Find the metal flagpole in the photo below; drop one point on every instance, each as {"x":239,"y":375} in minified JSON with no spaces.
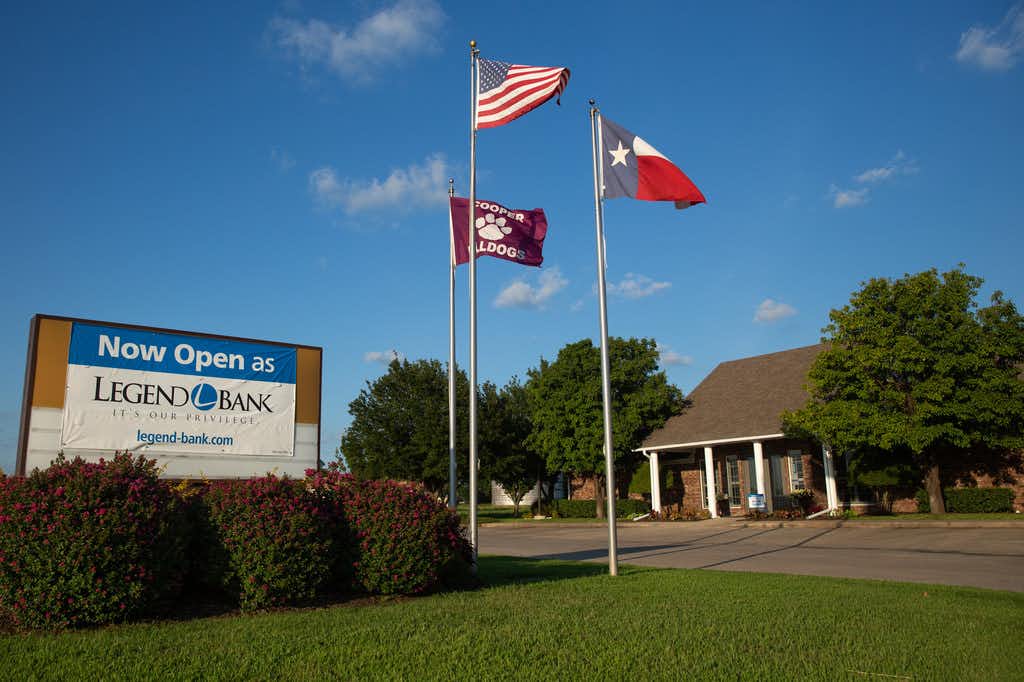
{"x":453,"y":496}
{"x":606,"y":390}
{"x":474,"y":79}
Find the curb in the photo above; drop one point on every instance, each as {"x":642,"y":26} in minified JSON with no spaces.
{"x":829,"y":523}
{"x":883,"y":524}
{"x":550,"y":524}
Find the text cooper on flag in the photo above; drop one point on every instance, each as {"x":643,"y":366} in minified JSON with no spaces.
{"x":507,"y":91}
{"x":513,"y":234}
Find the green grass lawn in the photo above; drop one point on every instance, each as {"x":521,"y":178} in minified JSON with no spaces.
{"x":549,"y":620}
{"x":492,"y":513}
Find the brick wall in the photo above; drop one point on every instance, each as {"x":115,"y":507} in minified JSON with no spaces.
{"x":582,"y":488}
{"x":691,"y":498}
{"x":1013,"y":478}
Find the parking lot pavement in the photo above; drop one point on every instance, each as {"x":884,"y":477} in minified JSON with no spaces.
{"x":978,"y":557}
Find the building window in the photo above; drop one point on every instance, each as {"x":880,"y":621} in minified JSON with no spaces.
{"x":733,"y":474}
{"x":796,"y":469}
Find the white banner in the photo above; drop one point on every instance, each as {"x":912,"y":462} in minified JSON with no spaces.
{"x":135,"y":390}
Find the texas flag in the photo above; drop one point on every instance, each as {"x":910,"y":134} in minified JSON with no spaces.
{"x":633,"y":168}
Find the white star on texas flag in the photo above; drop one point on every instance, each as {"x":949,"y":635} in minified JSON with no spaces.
{"x":619,"y":154}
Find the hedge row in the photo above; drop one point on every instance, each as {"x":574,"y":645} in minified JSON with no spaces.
{"x":87,"y":544}
{"x":970,"y":500}
{"x":587,"y":509}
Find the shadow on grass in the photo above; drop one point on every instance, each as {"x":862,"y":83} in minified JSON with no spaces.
{"x":495,"y":571}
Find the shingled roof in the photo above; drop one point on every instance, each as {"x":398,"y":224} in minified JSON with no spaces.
{"x":741,"y":399}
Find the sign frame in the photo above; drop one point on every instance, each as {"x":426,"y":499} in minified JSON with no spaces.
{"x":33,"y":371}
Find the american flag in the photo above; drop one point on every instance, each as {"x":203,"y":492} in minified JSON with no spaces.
{"x":507,"y":91}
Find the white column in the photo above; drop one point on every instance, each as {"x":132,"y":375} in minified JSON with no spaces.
{"x":759,"y":465}
{"x":709,"y":474}
{"x":831,"y":494}
{"x":655,"y":483}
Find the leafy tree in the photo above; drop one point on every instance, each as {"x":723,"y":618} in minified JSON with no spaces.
{"x":503,"y":428}
{"x":399,"y":425}
{"x":917,"y":370}
{"x":641,"y":481}
{"x":566,"y":406}
{"x":338,"y":463}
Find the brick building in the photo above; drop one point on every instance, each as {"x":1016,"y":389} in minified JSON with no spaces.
{"x":729,"y":443}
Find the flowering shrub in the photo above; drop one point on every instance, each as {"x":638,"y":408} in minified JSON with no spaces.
{"x":404,"y":541}
{"x":269,"y":542}
{"x":88,"y":543}
{"x":676,"y":512}
{"x":778,"y":515}
{"x":85,"y":543}
{"x":802,"y":498}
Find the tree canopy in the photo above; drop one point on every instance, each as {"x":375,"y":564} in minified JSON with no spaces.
{"x":566,"y":404}
{"x":504,"y":426}
{"x":916,"y":369}
{"x":399,"y":425}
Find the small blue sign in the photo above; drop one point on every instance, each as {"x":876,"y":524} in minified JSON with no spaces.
{"x":755,"y":501}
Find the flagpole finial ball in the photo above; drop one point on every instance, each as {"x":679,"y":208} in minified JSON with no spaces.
{"x":591,"y":102}
{"x":472,"y":44}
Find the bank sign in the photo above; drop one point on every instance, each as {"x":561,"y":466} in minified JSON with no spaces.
{"x":137,"y":390}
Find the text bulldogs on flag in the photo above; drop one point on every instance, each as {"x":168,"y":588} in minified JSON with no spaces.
{"x":635,"y":169}
{"x":507,"y":91}
{"x":510,"y":234}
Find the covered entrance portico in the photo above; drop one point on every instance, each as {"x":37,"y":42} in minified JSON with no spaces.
{"x":718,"y":475}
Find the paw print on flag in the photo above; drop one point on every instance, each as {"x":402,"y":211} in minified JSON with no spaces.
{"x":490,"y":228}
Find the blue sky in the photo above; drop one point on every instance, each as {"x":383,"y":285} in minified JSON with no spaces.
{"x":278,"y":171}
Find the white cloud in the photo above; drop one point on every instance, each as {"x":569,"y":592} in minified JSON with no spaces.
{"x":389,"y":36}
{"x":383,"y":357}
{"x":404,"y":189}
{"x":636,"y":286}
{"x":771,"y":310}
{"x":994,"y":49}
{"x":897,"y":165}
{"x":874,"y":174}
{"x":845,"y":198}
{"x":667,"y":356}
{"x":577,"y":306}
{"x":521,"y":294}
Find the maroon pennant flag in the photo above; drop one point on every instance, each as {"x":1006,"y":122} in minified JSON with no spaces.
{"x":508,"y":233}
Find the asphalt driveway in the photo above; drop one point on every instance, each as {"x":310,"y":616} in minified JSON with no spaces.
{"x":979,"y":557}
